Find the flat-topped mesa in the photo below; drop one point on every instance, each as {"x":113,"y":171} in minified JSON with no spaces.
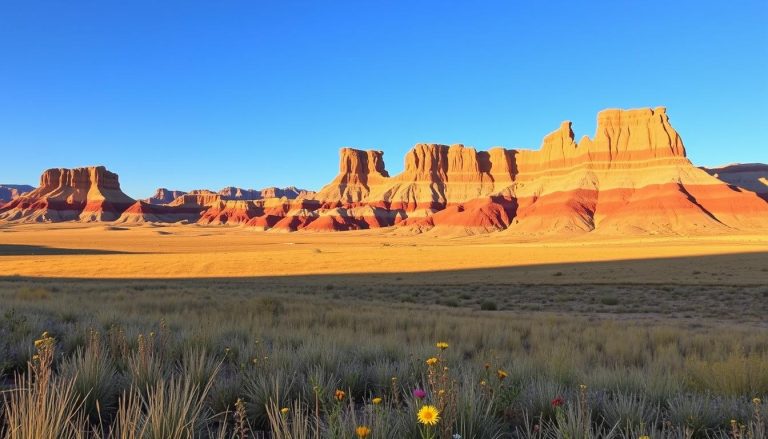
{"x":85,"y":194}
{"x":359,"y":172}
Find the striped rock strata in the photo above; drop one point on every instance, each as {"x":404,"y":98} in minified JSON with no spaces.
{"x":82,"y":194}
{"x":633,"y":177}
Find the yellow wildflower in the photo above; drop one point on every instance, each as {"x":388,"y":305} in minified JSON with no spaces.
{"x":442,"y":345}
{"x":340,"y":395}
{"x":756,"y":401}
{"x":501,"y":374}
{"x":285,"y":410}
{"x":376,"y":401}
{"x":432,"y":361}
{"x":362,"y":431}
{"x":428,"y":415}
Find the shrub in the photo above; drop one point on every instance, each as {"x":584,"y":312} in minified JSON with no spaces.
{"x":488,"y":305}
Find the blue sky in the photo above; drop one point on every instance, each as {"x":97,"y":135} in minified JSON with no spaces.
{"x":214,"y":93}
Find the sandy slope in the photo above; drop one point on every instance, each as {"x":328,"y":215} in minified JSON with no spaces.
{"x":80,"y":250}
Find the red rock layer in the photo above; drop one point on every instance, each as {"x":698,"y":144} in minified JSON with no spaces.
{"x":632,"y":177}
{"x":84,"y":194}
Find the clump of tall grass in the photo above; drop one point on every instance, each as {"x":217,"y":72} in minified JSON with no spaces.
{"x":95,"y":378}
{"x":629,"y":411}
{"x":40,"y":405}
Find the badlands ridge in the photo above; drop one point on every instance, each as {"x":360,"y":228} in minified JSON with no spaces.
{"x":632,"y":177}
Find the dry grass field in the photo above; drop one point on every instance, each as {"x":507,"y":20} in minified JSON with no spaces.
{"x":188,"y":331}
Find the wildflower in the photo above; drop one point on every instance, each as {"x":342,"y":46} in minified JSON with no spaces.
{"x":557,"y":402}
{"x":483,"y":383}
{"x":501,"y":374}
{"x":756,"y":401}
{"x":285,"y":410}
{"x":441,"y":392}
{"x":583,"y":387}
{"x":376,"y":401}
{"x":432,"y":361}
{"x":442,"y":345}
{"x":340,"y":395}
{"x":428,"y":415}
{"x":362,"y":431}
{"x":419,"y":393}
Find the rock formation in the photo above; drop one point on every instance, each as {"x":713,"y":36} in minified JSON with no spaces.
{"x":632,"y":177}
{"x":163,"y":196}
{"x":9,"y":192}
{"x":750,"y":176}
{"x":82,"y":194}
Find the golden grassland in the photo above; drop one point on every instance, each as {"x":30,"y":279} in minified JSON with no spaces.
{"x":225,"y":332}
{"x":98,"y":251}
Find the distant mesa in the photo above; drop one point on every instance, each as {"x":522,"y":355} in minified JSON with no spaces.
{"x":632,"y":177}
{"x":750,"y":176}
{"x":9,"y":192}
{"x":163,"y":196}
{"x":166,"y":196}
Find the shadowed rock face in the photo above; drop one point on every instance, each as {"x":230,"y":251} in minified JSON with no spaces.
{"x":633,"y":176}
{"x":9,"y":192}
{"x":750,"y":176}
{"x":83,"y":194}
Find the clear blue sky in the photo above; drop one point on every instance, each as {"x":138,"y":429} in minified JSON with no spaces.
{"x":207,"y":94}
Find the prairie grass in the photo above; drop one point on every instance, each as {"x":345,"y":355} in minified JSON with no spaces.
{"x":173,"y":359}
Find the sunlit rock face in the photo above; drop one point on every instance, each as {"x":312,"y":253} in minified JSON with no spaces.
{"x":632,"y":177}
